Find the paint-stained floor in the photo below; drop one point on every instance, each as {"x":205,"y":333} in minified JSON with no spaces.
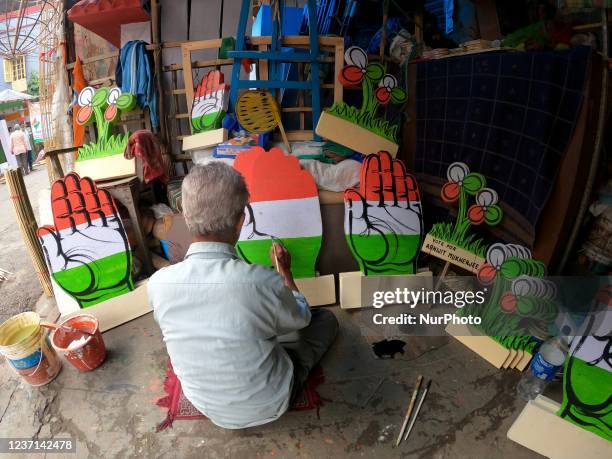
{"x":111,"y":411}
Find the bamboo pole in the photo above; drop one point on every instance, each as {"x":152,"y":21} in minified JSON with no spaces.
{"x":27,"y":223}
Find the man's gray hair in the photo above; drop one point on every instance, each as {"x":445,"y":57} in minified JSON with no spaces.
{"x":214,"y":197}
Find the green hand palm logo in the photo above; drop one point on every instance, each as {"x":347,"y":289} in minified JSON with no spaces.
{"x":87,"y":250}
{"x":383,"y":219}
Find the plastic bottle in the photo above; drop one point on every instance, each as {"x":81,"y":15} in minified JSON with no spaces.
{"x":544,"y":366}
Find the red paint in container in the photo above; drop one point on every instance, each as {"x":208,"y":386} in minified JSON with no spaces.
{"x":84,"y":351}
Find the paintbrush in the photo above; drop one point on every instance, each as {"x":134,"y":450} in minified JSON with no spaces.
{"x":410,"y":408}
{"x":276,"y":241}
{"x":418,"y":408}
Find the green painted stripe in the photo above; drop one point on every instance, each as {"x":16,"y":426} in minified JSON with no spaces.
{"x":304,"y":252}
{"x":112,"y":276}
{"x":402,"y":250}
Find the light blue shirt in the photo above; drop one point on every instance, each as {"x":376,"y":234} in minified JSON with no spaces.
{"x":221,"y":318}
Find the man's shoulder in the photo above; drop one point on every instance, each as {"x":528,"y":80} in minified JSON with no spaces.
{"x":235,"y":271}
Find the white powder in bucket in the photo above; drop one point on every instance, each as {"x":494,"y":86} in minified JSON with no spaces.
{"x":77,"y":343}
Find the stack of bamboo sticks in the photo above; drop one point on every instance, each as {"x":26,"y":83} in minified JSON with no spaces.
{"x":28,"y":225}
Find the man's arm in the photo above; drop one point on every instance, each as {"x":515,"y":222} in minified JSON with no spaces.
{"x":295,"y":311}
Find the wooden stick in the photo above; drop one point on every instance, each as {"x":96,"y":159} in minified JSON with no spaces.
{"x":27,"y":223}
{"x":410,"y":408}
{"x":416,"y":413}
{"x":284,"y":135}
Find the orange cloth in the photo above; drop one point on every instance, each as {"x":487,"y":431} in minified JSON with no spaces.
{"x":79,"y":84}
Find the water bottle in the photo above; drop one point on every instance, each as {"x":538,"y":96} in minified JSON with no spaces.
{"x":544,"y":366}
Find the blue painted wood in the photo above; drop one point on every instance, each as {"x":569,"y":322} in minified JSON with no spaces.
{"x":272,"y":56}
{"x":314,"y":65}
{"x":240,"y":36}
{"x":275,"y":57}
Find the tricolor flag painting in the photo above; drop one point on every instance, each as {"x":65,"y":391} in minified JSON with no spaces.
{"x":87,"y":250}
{"x":382,"y":218}
{"x":283,"y":205}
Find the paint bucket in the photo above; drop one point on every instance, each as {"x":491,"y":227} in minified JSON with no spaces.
{"x":23,"y":343}
{"x":85,"y":352}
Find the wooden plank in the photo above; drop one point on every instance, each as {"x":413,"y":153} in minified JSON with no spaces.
{"x":118,"y":310}
{"x":106,"y":168}
{"x":92,"y":59}
{"x":296,"y":109}
{"x":485,"y":346}
{"x":204,"y":139}
{"x":353,"y":283}
{"x":540,"y":429}
{"x":187,"y":76}
{"x":319,"y":291}
{"x":199,"y":64}
{"x":353,"y":136}
{"x":339,"y":64}
{"x":449,"y":252}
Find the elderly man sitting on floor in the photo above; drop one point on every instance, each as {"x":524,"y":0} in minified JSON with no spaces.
{"x":241,"y":337}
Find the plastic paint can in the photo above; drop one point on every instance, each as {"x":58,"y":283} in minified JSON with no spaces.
{"x":85,"y":352}
{"x":24,"y":344}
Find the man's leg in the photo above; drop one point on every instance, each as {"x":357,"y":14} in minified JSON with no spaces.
{"x":29,"y":158}
{"x":311,"y":344}
{"x":22,"y":162}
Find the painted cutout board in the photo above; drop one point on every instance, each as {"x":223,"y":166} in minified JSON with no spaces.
{"x":208,"y":108}
{"x":86,"y":249}
{"x":540,"y":430}
{"x":452,"y":242}
{"x":103,"y":159}
{"x":283,"y":205}
{"x":361,"y":129}
{"x":383,"y":218}
{"x":521,"y":305}
{"x":210,"y":102}
{"x":587,"y":379}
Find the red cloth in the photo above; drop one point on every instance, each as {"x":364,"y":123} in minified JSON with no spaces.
{"x":181,"y":408}
{"x":145,"y":145}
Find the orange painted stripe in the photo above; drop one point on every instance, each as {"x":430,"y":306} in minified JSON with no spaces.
{"x":274,"y":176}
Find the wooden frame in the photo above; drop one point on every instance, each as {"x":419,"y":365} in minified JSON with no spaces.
{"x":540,"y":429}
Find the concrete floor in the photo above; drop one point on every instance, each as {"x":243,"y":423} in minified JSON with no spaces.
{"x":111,"y":411}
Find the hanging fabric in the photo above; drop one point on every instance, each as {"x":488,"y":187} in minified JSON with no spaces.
{"x":134,"y":74}
{"x":78,"y":130}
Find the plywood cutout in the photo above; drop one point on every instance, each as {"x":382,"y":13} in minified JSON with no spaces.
{"x":587,"y":379}
{"x":210,"y":102}
{"x":103,"y":159}
{"x":521,"y":303}
{"x":383,"y":221}
{"x":362,"y":126}
{"x":283,"y":205}
{"x":477,"y":204}
{"x":87,"y":249}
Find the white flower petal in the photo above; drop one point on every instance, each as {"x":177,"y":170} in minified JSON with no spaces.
{"x":521,"y":286}
{"x":86,"y":96}
{"x":388,"y":81}
{"x":113,"y":95}
{"x":496,"y":254}
{"x":457,"y":171}
{"x":356,"y":56}
{"x":486,"y":197}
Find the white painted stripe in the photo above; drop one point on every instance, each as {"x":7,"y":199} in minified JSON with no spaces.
{"x":390,"y":219}
{"x":284,"y":219}
{"x":87,"y":244}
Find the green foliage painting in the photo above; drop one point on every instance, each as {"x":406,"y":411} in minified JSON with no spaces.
{"x":463,"y":184}
{"x":103,"y":107}
{"x":587,"y":379}
{"x":378,"y":89}
{"x":521,"y":306}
